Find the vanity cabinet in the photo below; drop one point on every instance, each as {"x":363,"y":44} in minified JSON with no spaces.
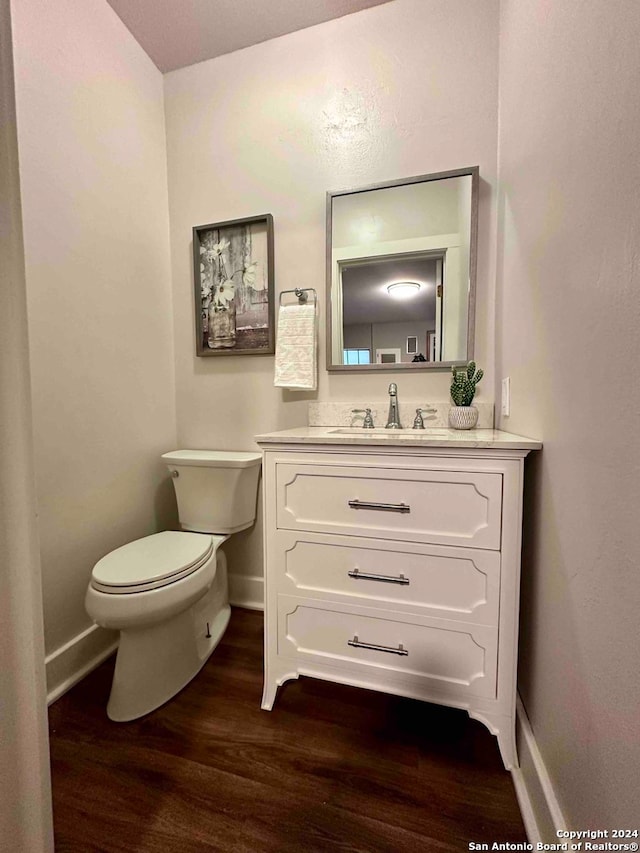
{"x":396,"y":569}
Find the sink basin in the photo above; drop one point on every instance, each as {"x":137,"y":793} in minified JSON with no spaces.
{"x":377,"y":431}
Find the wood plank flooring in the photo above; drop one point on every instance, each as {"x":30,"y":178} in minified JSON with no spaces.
{"x":331,"y":768}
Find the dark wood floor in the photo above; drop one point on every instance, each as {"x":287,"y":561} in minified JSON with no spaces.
{"x":330,"y":768}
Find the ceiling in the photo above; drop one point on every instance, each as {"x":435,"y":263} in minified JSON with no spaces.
{"x":176,"y":33}
{"x":365,"y":298}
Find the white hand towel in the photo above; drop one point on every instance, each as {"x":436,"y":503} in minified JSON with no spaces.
{"x":296,"y":345}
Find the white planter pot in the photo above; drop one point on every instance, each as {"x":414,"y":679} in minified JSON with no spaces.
{"x":463,"y":417}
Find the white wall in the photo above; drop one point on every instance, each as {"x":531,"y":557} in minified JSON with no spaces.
{"x":387,"y":336}
{"x":25,"y":795}
{"x":403,"y":89}
{"x":394,"y":336}
{"x":567,"y":334}
{"x":94,"y":195}
{"x":358,"y":336}
{"x":398,"y":213}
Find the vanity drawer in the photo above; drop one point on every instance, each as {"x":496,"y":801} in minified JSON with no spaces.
{"x":439,"y":506}
{"x":445,"y":582}
{"x":448,"y":656}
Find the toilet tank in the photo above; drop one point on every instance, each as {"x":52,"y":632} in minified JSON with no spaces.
{"x":216,"y":490}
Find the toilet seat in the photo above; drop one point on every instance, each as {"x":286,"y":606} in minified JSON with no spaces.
{"x":153,"y":562}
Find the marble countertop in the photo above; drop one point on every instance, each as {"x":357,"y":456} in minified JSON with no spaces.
{"x":441,"y":437}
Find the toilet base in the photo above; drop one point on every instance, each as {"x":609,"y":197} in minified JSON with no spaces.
{"x":156,"y":662}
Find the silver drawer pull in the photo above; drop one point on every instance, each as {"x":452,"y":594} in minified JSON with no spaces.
{"x":389,"y":649}
{"x":356,"y":504}
{"x":366,"y":576}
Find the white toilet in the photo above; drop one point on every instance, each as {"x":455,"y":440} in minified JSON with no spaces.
{"x":167,"y":593}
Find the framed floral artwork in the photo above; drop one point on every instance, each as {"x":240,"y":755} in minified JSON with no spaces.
{"x":233,"y":277}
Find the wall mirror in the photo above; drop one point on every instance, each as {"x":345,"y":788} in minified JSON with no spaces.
{"x":401,"y":269}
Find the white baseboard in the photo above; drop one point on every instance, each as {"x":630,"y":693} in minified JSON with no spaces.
{"x":71,"y":662}
{"x":246,"y":591}
{"x":537,"y":799}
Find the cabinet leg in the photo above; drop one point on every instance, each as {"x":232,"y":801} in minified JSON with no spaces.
{"x":507,"y":744}
{"x":269,"y":694}
{"x":504,"y":728}
{"x":271,"y":684}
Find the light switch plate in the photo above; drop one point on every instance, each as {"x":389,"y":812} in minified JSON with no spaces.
{"x":506,"y":396}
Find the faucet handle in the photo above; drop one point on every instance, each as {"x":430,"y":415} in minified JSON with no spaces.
{"x":393,"y":388}
{"x":418,"y":423}
{"x":368,"y":417}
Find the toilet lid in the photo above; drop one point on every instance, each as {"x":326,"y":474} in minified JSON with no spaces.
{"x":152,"y":561}
{"x":213,"y":458}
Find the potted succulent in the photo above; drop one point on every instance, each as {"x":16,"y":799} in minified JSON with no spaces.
{"x":462,"y":415}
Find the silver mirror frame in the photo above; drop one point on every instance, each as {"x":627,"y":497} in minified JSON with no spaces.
{"x":474,"y":172}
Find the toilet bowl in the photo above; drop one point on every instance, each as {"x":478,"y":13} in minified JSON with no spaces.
{"x":167,"y":593}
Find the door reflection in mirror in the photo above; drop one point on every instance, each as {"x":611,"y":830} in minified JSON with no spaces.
{"x":392,"y":304}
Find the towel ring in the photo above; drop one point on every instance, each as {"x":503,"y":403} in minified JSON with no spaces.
{"x":302,"y":294}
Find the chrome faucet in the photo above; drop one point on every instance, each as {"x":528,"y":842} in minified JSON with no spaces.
{"x":393,"y":421}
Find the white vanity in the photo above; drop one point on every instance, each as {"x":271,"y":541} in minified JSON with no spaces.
{"x":393,"y":563}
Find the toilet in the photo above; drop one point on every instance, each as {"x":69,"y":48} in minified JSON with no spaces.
{"x":167,"y":593}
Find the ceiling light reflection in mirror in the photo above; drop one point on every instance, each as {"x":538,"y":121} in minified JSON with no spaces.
{"x":403,"y":289}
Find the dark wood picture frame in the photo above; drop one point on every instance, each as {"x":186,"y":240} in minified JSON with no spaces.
{"x":234,"y":287}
